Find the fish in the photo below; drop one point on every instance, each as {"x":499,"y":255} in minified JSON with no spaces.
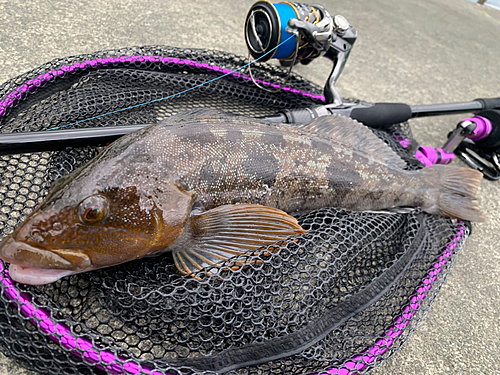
{"x":209,"y":186}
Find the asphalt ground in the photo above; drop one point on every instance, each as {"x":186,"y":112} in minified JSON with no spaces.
{"x":415,"y":52}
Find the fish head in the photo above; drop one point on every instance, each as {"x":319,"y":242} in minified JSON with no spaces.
{"x":78,"y":229}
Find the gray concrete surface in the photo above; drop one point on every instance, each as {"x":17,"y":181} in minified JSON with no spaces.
{"x":417,"y":52}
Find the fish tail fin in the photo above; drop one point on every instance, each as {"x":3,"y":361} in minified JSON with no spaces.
{"x":457,"y":190}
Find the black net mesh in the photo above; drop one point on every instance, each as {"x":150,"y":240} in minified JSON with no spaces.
{"x":344,"y":296}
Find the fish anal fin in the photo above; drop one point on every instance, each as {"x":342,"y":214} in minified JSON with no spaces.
{"x":218,"y":234}
{"x":352,"y":134}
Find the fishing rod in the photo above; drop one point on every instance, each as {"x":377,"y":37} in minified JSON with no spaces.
{"x":377,"y":115}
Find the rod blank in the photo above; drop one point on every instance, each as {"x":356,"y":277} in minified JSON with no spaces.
{"x":53,"y":140}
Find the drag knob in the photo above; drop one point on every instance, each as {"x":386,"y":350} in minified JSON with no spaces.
{"x":340,"y":24}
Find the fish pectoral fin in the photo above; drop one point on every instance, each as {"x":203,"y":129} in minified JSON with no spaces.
{"x":232,"y":230}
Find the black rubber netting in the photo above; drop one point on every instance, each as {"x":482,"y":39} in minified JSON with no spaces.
{"x":345,"y":295}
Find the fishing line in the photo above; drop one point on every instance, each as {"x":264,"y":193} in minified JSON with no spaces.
{"x":173,"y":95}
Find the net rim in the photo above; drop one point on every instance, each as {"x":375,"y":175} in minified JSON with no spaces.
{"x":54,"y":75}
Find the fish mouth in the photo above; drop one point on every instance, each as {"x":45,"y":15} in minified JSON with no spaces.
{"x":31,"y":265}
{"x":37,"y":276}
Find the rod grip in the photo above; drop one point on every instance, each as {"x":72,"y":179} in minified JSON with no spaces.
{"x":382,"y":115}
{"x":493,"y":103}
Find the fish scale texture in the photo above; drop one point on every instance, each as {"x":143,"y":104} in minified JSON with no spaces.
{"x":342,"y":297}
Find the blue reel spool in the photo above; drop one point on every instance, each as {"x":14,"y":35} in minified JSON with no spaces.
{"x":265,"y":28}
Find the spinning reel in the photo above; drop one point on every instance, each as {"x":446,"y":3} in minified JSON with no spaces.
{"x":315,"y":33}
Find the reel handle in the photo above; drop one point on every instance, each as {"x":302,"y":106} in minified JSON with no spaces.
{"x":476,"y":141}
{"x":483,"y":129}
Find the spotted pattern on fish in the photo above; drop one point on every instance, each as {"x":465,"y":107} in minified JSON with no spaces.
{"x":238,"y":161}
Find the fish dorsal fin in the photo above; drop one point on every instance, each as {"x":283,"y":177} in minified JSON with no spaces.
{"x":231,"y":230}
{"x":348,"y":132}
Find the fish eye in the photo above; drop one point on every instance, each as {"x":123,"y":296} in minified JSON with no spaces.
{"x":93,"y":209}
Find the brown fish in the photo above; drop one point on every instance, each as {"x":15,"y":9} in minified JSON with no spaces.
{"x":207,"y":186}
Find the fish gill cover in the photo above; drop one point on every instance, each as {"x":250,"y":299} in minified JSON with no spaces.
{"x":342,"y":297}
